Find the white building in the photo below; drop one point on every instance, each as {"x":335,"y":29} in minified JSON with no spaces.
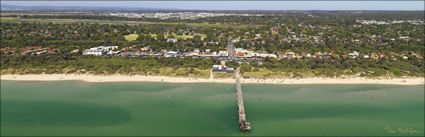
{"x":171,"y":54}
{"x":405,"y":57}
{"x":172,"y":40}
{"x":265,"y":55}
{"x":112,"y":52}
{"x":99,"y":51}
{"x":354,"y":54}
{"x":94,"y":52}
{"x":366,"y":56}
{"x":221,"y":68}
{"x":290,"y":54}
{"x":308,"y":55}
{"x":223,"y":53}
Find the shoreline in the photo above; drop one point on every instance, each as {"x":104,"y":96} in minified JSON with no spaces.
{"x":142,"y":78}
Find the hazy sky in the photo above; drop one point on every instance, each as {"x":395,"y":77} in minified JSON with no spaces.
{"x":239,"y":5}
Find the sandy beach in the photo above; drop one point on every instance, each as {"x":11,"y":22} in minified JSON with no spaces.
{"x":142,"y":78}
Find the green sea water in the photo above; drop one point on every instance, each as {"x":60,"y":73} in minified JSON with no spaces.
{"x":75,"y":108}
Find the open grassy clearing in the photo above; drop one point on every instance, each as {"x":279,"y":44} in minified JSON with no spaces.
{"x":203,"y":36}
{"x":131,"y":37}
{"x":155,"y":36}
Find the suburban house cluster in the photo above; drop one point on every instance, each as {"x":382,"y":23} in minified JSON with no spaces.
{"x":232,"y":54}
{"x":30,"y":50}
{"x":102,"y":50}
{"x":134,"y":51}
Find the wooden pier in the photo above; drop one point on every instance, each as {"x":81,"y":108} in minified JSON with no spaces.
{"x":243,"y":124}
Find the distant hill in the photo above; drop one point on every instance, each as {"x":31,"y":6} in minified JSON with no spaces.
{"x":8,"y":7}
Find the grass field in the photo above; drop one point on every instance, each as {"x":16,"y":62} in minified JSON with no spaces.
{"x":203,"y":36}
{"x":131,"y":37}
{"x":185,"y":37}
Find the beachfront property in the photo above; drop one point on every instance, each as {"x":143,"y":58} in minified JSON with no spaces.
{"x":244,"y":53}
{"x":171,"y":54}
{"x":223,"y":54}
{"x":222,"y":68}
{"x":238,"y":53}
{"x":146,"y":49}
{"x":101,"y":50}
{"x":288,"y":55}
{"x":32,"y":50}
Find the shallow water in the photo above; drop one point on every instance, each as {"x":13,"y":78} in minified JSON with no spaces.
{"x":76,"y":108}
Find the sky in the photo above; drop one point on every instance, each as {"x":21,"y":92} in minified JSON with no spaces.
{"x":238,"y":5}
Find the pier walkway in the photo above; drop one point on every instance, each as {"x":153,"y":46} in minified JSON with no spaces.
{"x":243,"y":124}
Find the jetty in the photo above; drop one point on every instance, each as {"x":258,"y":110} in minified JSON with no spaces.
{"x":243,"y":124}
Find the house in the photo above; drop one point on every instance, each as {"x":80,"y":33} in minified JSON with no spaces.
{"x":355,"y":40}
{"x":221,"y":68}
{"x":75,"y":51}
{"x":354,"y":54}
{"x":257,"y":36}
{"x":405,"y":57}
{"x":290,"y":55}
{"x":377,"y":56}
{"x":38,"y":50}
{"x":308,"y":55}
{"x":240,"y":52}
{"x":265,"y":55}
{"x":171,"y":54}
{"x":318,"y":54}
{"x":132,"y":53}
{"x":262,"y":54}
{"x":112,"y":52}
{"x":365,"y":56}
{"x":171,"y":40}
{"x":32,"y":49}
{"x":406,"y":38}
{"x":274,"y":30}
{"x":95,"y":52}
{"x":99,"y":51}
{"x":223,"y":53}
{"x":415,"y":55}
{"x":344,"y":56}
{"x":145,"y":49}
{"x":105,"y":48}
{"x":236,"y":40}
{"x":213,"y":42}
{"x":196,"y":51}
{"x":8,"y":50}
{"x":41,"y":52}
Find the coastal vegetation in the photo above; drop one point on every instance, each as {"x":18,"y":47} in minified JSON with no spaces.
{"x":199,"y":67}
